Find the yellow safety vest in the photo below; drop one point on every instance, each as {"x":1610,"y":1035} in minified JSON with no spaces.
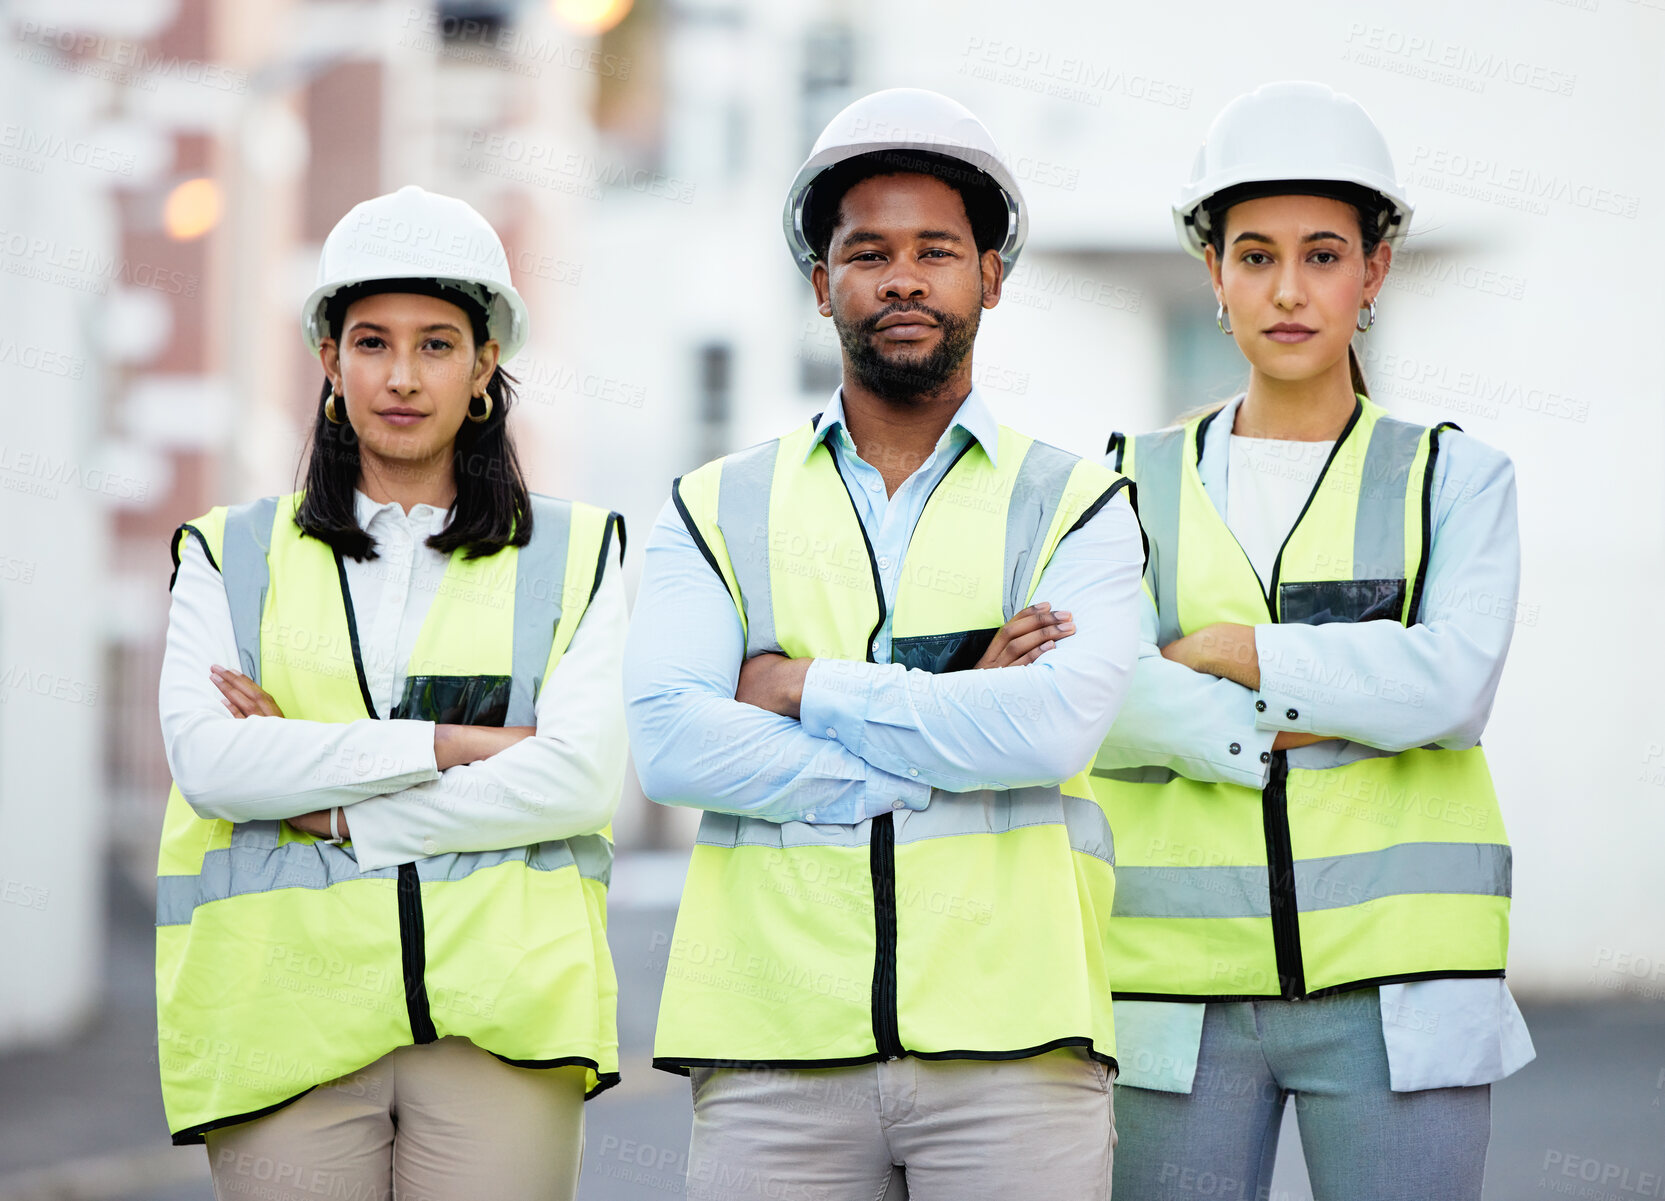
{"x":279,"y":965}
{"x":968,"y":929}
{"x":1393,"y":867}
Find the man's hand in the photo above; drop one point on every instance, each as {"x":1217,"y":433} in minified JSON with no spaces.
{"x":1028,"y":636}
{"x":1224,"y":649}
{"x":773,"y":682}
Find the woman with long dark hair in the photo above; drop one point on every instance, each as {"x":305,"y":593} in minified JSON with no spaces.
{"x":392,"y":709}
{"x":1312,"y":876}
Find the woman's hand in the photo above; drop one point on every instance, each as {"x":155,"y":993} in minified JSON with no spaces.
{"x":1028,"y":636}
{"x":1224,"y":649}
{"x":242,"y":695}
{"x":317,"y":823}
{"x":456,"y":745}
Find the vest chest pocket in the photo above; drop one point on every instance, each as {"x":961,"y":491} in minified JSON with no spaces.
{"x":455,"y":700}
{"x":1323,"y":601}
{"x":939,"y":653}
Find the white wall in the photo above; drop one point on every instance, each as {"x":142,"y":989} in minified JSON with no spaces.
{"x":58,"y":249}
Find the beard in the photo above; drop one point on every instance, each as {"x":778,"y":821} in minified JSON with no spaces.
{"x":905,"y":375}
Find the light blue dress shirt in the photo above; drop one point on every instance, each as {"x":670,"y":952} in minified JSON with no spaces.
{"x":875,"y":736}
{"x":1378,"y":687}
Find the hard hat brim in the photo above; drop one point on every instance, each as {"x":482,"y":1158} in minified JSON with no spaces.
{"x":792,"y":216}
{"x":506,"y":319}
{"x":1193,"y":200}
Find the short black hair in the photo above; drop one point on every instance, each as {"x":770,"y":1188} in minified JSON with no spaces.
{"x":985,"y":203}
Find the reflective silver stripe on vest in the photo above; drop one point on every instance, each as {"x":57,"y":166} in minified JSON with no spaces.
{"x":1379,"y":524}
{"x":1329,"y":882}
{"x":540,"y":579}
{"x":1036,"y":493}
{"x":1156,"y":464}
{"x":743,"y":492}
{"x":1483,"y":868}
{"x":246,"y":574}
{"x":948,"y":815}
{"x":255,"y":862}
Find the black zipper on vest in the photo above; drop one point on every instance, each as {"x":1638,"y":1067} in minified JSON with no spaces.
{"x":1280,"y":881}
{"x":413,"y":950}
{"x":887,"y":1034}
{"x":414,"y":954}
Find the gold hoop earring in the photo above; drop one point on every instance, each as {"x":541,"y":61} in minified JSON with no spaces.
{"x":1362,"y":323}
{"x":329,"y":408}
{"x":1222,"y":318}
{"x":486,"y":416}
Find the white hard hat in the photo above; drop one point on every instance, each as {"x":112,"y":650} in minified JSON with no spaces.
{"x":904,"y":119}
{"x":1290,"y":132}
{"x":417,"y":234}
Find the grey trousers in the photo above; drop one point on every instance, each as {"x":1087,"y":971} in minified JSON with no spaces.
{"x":927,"y":1130}
{"x":444,"y":1121}
{"x":1363,"y":1141}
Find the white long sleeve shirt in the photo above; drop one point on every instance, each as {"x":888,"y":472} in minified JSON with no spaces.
{"x":563,"y":781}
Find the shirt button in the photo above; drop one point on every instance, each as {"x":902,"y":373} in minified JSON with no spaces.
{"x":831,"y":733}
{"x":429,"y":846}
{"x":1292,"y":715}
{"x":897,"y":805}
{"x":876,"y":486}
{"x":1265,"y":756}
{"x":1235,"y":748}
{"x":809,"y":817}
{"x":1260,"y":706}
{"x":913,"y":771}
{"x":884,"y":563}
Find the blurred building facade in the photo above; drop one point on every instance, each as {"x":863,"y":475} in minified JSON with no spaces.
{"x":172,"y":167}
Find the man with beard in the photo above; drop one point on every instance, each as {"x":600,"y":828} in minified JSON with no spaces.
{"x":887,"y":975}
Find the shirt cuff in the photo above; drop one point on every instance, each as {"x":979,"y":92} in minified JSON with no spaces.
{"x":394,"y":753}
{"x":1244,"y":755}
{"x":835,"y":702}
{"x":1248,"y":758}
{"x":1284,"y":697}
{"x":887,"y":793}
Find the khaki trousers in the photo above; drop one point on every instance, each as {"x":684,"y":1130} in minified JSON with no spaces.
{"x":444,"y":1121}
{"x":922,"y":1129}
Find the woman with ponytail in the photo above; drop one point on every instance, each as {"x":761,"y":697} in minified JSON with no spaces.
{"x":392,"y":708}
{"x":1312,"y":876}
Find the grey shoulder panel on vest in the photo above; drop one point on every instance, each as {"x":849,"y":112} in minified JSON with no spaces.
{"x":247,"y":574}
{"x":540,"y":583}
{"x":1158,"y":463}
{"x":1036,"y":495}
{"x":1379,"y":523}
{"x":743,"y":495}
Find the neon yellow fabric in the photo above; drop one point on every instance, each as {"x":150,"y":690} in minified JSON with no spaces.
{"x":279,"y":966}
{"x":1385,"y":869}
{"x":970,"y":928}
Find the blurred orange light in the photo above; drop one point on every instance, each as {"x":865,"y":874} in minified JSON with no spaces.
{"x":591,"y":16}
{"x":192,"y":209}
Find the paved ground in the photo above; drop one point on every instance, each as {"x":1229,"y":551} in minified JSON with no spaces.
{"x":84,"y":1121}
